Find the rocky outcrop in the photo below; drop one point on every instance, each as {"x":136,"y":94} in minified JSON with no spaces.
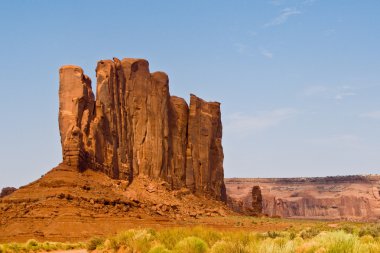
{"x":134,"y":127}
{"x":341,"y":197}
{"x":257,"y":200}
{"x":7,"y":191}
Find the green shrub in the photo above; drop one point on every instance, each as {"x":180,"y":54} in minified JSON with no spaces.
{"x":31,"y":243}
{"x":273,"y":234}
{"x":317,"y":239}
{"x":191,"y":244}
{"x":372,"y":230}
{"x":228,"y":246}
{"x":14,"y":247}
{"x":366,"y":239}
{"x":159,"y":249}
{"x":170,"y":237}
{"x":348,"y":228}
{"x":277,"y":245}
{"x":210,"y":236}
{"x":142,"y":241}
{"x":94,"y":243}
{"x":309,"y":233}
{"x":133,"y":240}
{"x":337,"y":242}
{"x":292,"y":235}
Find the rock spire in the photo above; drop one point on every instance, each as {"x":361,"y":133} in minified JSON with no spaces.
{"x":135,"y":127}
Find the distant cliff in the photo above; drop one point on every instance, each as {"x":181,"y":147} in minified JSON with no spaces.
{"x":135,"y":127}
{"x":341,"y":197}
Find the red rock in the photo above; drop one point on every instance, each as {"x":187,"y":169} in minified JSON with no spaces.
{"x":257,"y":200}
{"x":76,"y":105}
{"x":178,"y":118}
{"x":340,"y":197}
{"x":204,"y":171}
{"x":136,"y":128}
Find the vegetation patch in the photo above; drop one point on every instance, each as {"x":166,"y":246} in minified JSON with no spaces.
{"x":345,"y":238}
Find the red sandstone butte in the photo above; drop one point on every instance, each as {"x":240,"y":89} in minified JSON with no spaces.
{"x":135,"y":127}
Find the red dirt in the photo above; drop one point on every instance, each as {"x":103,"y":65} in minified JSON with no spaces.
{"x":68,"y":205}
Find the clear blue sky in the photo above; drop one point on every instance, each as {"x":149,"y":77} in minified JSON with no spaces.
{"x":299,"y":81}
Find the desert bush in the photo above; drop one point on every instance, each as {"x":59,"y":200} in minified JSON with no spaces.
{"x":131,"y":240}
{"x":223,"y":246}
{"x":159,"y":249}
{"x":210,"y":236}
{"x":170,"y":237}
{"x":277,"y":245}
{"x":309,"y":233}
{"x":372,"y":230}
{"x":273,"y":234}
{"x":317,"y":239}
{"x":191,"y":244}
{"x":35,"y":246}
{"x":142,"y":241}
{"x":48,"y":246}
{"x":13,"y":247}
{"x":94,"y":243}
{"x":348,"y":228}
{"x":31,"y":243}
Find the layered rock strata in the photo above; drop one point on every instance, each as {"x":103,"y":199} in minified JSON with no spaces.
{"x":135,"y":127}
{"x":340,"y":197}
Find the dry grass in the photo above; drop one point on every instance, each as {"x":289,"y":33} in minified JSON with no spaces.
{"x":300,"y":238}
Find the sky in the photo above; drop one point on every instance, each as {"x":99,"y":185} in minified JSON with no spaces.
{"x":298,"y":80}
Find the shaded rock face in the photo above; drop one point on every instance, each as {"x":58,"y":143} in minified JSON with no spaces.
{"x":134,"y":127}
{"x":7,"y":191}
{"x":257,"y":200}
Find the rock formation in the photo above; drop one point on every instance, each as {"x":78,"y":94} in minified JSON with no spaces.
{"x":204,"y":170}
{"x":341,"y":197}
{"x":257,"y":200}
{"x":134,"y":127}
{"x":7,"y":191}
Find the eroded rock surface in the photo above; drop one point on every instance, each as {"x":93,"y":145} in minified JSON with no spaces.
{"x":205,"y":153}
{"x":257,"y":200}
{"x":341,"y":197}
{"x":135,"y":127}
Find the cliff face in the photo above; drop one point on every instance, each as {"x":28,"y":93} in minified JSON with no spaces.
{"x":134,"y":127}
{"x":347,"y":198}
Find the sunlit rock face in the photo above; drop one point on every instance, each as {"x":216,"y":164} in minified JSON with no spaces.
{"x":341,"y":197}
{"x":135,"y":127}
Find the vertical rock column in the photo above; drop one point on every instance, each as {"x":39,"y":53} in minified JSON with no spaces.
{"x":204,"y":169}
{"x":147,"y":106}
{"x":76,"y":103}
{"x":109,"y":153}
{"x":257,"y":200}
{"x":178,"y":118}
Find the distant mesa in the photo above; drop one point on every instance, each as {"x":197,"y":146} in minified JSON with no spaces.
{"x":326,"y":198}
{"x":135,"y":127}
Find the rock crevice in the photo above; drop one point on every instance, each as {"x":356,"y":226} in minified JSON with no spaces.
{"x":135,"y":127}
